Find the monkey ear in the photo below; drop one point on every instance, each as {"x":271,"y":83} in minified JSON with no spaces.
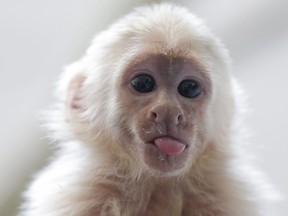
{"x":71,"y":84}
{"x":73,"y":96}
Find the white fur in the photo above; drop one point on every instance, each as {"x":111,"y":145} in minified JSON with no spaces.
{"x":87,"y":152}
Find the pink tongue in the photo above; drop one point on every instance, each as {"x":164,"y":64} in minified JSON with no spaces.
{"x":169,"y":146}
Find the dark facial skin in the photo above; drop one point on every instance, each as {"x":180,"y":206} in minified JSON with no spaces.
{"x":165,"y":100}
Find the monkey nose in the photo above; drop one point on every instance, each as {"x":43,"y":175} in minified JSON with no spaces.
{"x":166,"y":115}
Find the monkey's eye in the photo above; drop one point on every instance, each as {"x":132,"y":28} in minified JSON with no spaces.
{"x":189,"y":89}
{"x":143,"y":83}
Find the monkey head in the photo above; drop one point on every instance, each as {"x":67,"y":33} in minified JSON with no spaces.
{"x":156,"y":85}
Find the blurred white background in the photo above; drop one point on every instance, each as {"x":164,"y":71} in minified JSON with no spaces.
{"x":38,"y":38}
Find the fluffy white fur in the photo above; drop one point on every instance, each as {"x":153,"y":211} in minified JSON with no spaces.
{"x":89,"y":159}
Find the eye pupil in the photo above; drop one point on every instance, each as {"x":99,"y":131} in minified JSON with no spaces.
{"x":143,"y":83}
{"x":189,"y":89}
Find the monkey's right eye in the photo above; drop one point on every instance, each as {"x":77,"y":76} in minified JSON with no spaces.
{"x":143,"y":83}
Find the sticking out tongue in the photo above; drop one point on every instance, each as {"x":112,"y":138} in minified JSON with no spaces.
{"x":169,"y":145}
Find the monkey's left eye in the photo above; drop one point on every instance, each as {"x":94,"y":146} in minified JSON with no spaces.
{"x":143,"y":83}
{"x":189,"y":89}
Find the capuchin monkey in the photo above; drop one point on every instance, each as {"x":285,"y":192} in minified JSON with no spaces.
{"x":146,"y":124}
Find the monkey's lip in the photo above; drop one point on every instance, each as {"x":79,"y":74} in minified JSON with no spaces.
{"x":169,"y":145}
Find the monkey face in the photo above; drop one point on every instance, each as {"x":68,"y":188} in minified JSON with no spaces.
{"x":165,"y":100}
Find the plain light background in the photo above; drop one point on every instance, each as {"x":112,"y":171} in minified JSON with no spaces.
{"x":38,"y":38}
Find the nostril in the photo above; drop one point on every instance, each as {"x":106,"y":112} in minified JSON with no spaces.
{"x":157,"y":115}
{"x":154,"y":116}
{"x":180,"y":118}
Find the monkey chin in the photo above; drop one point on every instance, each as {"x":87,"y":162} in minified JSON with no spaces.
{"x":171,"y":163}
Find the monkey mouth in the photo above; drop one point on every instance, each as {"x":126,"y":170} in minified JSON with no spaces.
{"x":169,"y":146}
{"x":166,"y":154}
